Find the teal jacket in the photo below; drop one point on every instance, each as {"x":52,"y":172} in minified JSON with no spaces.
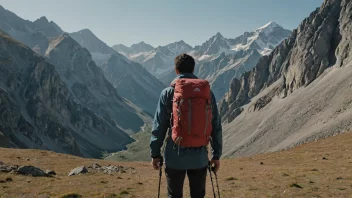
{"x":181,"y":157}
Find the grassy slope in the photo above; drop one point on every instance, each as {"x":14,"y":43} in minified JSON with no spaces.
{"x":136,"y":151}
{"x":300,"y":172}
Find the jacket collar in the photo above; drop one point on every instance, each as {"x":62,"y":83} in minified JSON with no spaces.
{"x":184,"y":75}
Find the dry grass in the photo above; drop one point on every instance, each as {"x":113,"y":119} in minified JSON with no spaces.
{"x":279,"y":176}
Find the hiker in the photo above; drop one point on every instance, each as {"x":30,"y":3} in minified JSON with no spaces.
{"x":189,"y":120}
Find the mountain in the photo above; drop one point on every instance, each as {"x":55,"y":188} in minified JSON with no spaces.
{"x":160,"y":60}
{"x":134,"y":49}
{"x":39,"y":111}
{"x":220,"y":59}
{"x":50,"y":29}
{"x":130,"y":79}
{"x":88,"y":85}
{"x":215,"y":45}
{"x":263,"y":39}
{"x":33,"y":34}
{"x":300,"y":92}
{"x":92,"y":97}
{"x":179,"y":47}
{"x":98,"y":49}
{"x":133,"y":82}
{"x":123,"y":49}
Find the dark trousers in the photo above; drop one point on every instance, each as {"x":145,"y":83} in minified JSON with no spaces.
{"x":175,"y":180}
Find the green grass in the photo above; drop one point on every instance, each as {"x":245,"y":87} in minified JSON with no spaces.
{"x":137,"y":150}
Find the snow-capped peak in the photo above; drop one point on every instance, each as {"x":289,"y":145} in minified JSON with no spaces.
{"x":263,"y":38}
{"x":269,"y":27}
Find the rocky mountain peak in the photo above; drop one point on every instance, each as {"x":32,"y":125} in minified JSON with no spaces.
{"x":140,"y":47}
{"x":269,"y":26}
{"x":42,"y":19}
{"x":300,"y":92}
{"x":217,"y":38}
{"x":63,"y":38}
{"x":300,"y":59}
{"x":179,"y":47}
{"x":218,"y":35}
{"x":99,"y":50}
{"x":86,"y":31}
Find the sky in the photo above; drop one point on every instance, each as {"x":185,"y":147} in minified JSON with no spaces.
{"x":160,"y":22}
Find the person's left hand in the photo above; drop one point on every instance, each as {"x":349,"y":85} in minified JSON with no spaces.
{"x":156,"y":163}
{"x":215,"y":164}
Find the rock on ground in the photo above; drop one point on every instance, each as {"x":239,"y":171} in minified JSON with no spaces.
{"x":31,"y":170}
{"x":78,"y":170}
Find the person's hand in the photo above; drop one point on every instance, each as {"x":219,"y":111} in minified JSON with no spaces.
{"x":156,"y":163}
{"x":215,"y":164}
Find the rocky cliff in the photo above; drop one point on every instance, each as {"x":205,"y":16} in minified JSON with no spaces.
{"x":88,"y":84}
{"x":299,"y":92}
{"x":39,"y":111}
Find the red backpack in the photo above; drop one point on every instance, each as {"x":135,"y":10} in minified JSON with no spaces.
{"x":191,"y":112}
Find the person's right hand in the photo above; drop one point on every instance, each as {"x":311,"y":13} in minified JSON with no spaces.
{"x":215,"y":164}
{"x":156,"y":163}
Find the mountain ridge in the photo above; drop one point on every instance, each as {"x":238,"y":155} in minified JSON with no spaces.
{"x":220,"y":59}
{"x":299,"y":93}
{"x":40,"y":112}
{"x":88,"y":84}
{"x":122,"y":72}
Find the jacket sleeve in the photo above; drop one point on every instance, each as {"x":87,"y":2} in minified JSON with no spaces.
{"x":160,"y":125}
{"x":216,"y":134}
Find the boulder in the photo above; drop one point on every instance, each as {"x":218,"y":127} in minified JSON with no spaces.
{"x":79,"y":170}
{"x":31,"y":170}
{"x":50,"y":172}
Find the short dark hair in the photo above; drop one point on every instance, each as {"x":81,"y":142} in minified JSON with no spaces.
{"x":184,"y":63}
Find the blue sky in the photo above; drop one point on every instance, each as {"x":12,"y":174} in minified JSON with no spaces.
{"x":159,"y":22}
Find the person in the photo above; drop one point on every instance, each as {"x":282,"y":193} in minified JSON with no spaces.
{"x":181,"y":160}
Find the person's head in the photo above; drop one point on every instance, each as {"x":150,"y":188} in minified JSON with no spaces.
{"x":184,"y":63}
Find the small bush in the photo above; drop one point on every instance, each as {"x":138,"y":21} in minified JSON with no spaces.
{"x":231,"y":179}
{"x":124,"y":192}
{"x":104,"y":154}
{"x":71,"y":195}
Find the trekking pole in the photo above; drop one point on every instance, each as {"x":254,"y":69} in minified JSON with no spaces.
{"x":160,"y":173}
{"x":216,"y":179}
{"x":211,"y":179}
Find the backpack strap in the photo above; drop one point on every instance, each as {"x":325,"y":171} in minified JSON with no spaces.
{"x":189,"y":115}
